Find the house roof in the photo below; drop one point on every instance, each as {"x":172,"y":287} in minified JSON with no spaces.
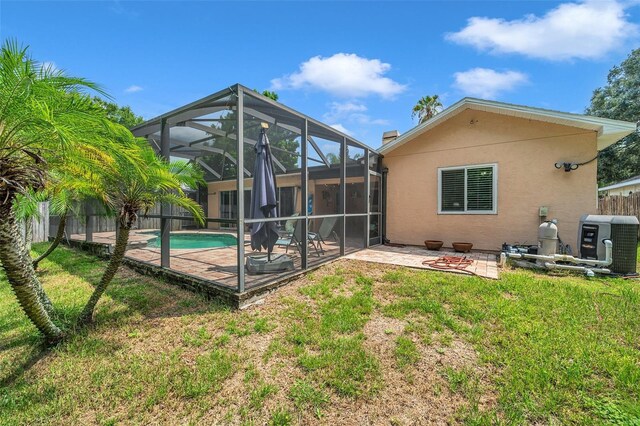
{"x":609,"y":131}
{"x":631,"y":181}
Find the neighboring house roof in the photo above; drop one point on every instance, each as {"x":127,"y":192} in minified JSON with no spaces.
{"x":609,"y":131}
{"x":628,"y":182}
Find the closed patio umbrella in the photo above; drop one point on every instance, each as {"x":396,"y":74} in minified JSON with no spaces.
{"x":263,"y":198}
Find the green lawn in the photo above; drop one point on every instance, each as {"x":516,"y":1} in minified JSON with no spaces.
{"x":351,"y":343}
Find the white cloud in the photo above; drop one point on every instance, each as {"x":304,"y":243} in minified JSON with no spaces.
{"x":339,"y":127}
{"x":487,"y":83}
{"x":343,"y":75}
{"x":586,"y":30}
{"x":133,"y":89}
{"x":343,"y":109}
{"x":352,"y":112}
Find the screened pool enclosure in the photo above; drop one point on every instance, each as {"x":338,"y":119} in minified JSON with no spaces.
{"x":329,"y":188}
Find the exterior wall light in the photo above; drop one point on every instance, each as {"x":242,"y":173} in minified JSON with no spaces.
{"x":567,"y":166}
{"x":572,"y":166}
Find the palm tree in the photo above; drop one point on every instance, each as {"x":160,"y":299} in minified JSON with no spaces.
{"x":129,"y":191}
{"x":65,"y":191}
{"x":43,"y":120}
{"x":61,"y":204}
{"x":25,"y":209}
{"x":427,"y":107}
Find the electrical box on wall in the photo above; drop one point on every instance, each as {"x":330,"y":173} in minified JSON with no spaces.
{"x":543,"y":211}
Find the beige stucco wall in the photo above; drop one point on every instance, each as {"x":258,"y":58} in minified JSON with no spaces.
{"x":283,"y":181}
{"x":214,"y":189}
{"x":525,"y":152}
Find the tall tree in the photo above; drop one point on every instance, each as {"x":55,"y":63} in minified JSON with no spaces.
{"x":270,"y":94}
{"x":42,"y":125}
{"x":619,"y":99}
{"x":427,"y":107}
{"x":128,"y":191}
{"x":283,"y":142}
{"x":118,"y":114}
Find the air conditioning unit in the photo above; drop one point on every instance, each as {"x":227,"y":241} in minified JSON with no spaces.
{"x":623,"y":233}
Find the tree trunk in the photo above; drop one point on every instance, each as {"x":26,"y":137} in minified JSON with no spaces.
{"x":28,"y":234}
{"x":42,"y":295}
{"x":55,"y":242}
{"x":16,"y":262}
{"x":114,"y":263}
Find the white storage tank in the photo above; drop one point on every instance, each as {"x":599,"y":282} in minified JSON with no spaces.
{"x":547,"y":238}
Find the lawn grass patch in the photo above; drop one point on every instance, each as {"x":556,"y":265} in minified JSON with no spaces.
{"x":335,"y":346}
{"x":281,"y":417}
{"x":258,"y":395}
{"x":406,"y":352}
{"x":306,"y":396}
{"x":327,"y":338}
{"x":555,"y":339}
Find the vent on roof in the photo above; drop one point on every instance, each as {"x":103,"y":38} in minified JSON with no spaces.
{"x":389,"y":136}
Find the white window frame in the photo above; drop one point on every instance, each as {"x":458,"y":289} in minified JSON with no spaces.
{"x":471,"y":166}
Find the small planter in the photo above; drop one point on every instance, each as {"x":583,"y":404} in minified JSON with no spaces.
{"x":433,"y":244}
{"x":462,"y":247}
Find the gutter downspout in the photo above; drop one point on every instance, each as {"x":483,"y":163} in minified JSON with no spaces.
{"x":385,"y":171}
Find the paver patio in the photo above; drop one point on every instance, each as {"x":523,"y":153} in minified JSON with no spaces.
{"x":216,"y":264}
{"x":484,"y":264}
{"x":219,"y":264}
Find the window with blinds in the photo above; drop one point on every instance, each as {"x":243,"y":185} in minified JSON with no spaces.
{"x":468,"y":189}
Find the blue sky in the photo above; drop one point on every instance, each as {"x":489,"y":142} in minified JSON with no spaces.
{"x":359,"y":66}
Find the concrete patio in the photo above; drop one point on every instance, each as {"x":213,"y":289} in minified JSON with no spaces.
{"x":484,"y":264}
{"x":218,"y":265}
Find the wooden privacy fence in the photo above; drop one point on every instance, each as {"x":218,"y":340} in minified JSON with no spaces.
{"x":620,"y":205}
{"x":102,"y":223}
{"x":37,"y":228}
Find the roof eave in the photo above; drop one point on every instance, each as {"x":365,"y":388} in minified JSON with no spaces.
{"x":609,"y":131}
{"x":620,"y":185}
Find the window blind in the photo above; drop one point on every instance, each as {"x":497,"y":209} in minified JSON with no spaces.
{"x":468,"y":189}
{"x":452,"y":182}
{"x":480,"y":188}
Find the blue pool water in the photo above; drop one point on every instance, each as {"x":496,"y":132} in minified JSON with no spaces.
{"x":180,"y":240}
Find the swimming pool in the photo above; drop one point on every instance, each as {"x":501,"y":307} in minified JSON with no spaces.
{"x":185,"y":240}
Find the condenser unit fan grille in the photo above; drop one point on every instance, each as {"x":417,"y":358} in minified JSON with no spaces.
{"x":625,"y":243}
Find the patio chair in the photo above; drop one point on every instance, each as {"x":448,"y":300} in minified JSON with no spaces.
{"x":325,"y":231}
{"x":295,"y":239}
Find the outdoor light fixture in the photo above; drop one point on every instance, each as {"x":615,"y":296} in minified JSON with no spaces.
{"x":572,"y":166}
{"x":567,"y":166}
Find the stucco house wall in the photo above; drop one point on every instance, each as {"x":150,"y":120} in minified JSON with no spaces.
{"x":524,"y":151}
{"x":287,"y":181}
{"x":214,"y":189}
